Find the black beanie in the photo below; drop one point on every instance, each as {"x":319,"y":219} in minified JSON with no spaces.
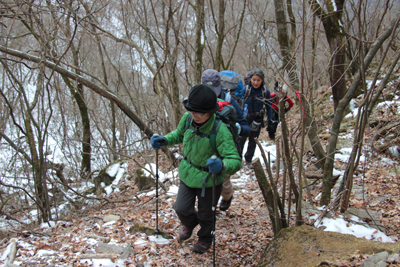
{"x":202,"y":98}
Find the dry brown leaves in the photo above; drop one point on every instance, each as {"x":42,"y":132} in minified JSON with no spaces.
{"x":242,"y":233}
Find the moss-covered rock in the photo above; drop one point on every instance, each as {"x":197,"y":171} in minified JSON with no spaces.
{"x":143,"y":182}
{"x":346,"y":126}
{"x":308,"y":246}
{"x":148,"y":230}
{"x":104,"y":177}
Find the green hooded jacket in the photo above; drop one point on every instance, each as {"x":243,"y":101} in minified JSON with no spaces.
{"x":197,"y":148}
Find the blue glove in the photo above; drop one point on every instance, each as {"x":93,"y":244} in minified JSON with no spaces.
{"x":214,"y":165}
{"x":239,"y":128}
{"x":158,"y":141}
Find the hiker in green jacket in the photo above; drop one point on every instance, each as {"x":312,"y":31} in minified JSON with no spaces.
{"x":196,"y":167}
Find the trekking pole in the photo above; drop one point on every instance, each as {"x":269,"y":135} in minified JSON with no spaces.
{"x":214,"y":157}
{"x":157,"y":232}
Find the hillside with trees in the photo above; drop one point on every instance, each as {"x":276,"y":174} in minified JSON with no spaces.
{"x":86,"y":84}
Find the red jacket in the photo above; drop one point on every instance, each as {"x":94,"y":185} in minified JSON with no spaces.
{"x":275,"y":102}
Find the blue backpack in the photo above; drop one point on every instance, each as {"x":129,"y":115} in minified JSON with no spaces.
{"x":232,"y":83}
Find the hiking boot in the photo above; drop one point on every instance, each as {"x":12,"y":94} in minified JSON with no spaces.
{"x":225,"y":204}
{"x":201,"y":247}
{"x":185,"y":233}
{"x":248,"y":164}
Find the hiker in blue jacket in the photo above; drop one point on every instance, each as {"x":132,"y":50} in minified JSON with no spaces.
{"x":258,"y":98}
{"x":213,"y":78}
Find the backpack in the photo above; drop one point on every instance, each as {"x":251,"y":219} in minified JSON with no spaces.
{"x":226,"y":114}
{"x":247,"y":90}
{"x":232,"y":83}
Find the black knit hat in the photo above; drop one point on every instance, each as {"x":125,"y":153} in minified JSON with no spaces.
{"x":202,"y":98}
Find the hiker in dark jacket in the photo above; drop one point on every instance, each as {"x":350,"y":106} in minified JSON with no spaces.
{"x":213,"y":78}
{"x":257,"y":99}
{"x":196,"y":167}
{"x":276,"y":96}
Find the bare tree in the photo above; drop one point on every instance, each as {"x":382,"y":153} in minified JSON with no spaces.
{"x":331,"y":18}
{"x":200,"y":35}
{"x":329,"y":164}
{"x":222,"y":61}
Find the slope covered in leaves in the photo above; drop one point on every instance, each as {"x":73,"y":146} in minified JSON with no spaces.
{"x":243,"y":231}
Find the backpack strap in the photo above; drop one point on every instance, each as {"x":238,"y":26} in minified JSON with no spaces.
{"x":264,"y":92}
{"x":213,"y":134}
{"x":205,"y":169}
{"x":188,"y":126}
{"x":187,"y":122}
{"x":246,"y":93}
{"x":228,"y":97}
{"x":203,"y":188}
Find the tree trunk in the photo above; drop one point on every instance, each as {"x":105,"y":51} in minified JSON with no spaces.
{"x":36,"y":148}
{"x":79,"y":97}
{"x":288,"y":157}
{"x":278,"y":204}
{"x":220,"y":29}
{"x":200,"y":35}
{"x":286,"y":42}
{"x":337,"y":68}
{"x":267,"y":194}
{"x":334,"y":32}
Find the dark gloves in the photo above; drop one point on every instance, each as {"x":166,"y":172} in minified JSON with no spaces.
{"x":286,"y":110}
{"x":158,"y":141}
{"x":214,"y":165}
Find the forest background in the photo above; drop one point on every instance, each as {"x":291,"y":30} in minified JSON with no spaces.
{"x":86,"y":83}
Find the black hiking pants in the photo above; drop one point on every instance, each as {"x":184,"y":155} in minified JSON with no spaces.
{"x":185,"y":209}
{"x":274,"y":124}
{"x":251,"y":147}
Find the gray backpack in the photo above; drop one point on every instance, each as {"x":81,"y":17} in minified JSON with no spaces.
{"x":231,"y":83}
